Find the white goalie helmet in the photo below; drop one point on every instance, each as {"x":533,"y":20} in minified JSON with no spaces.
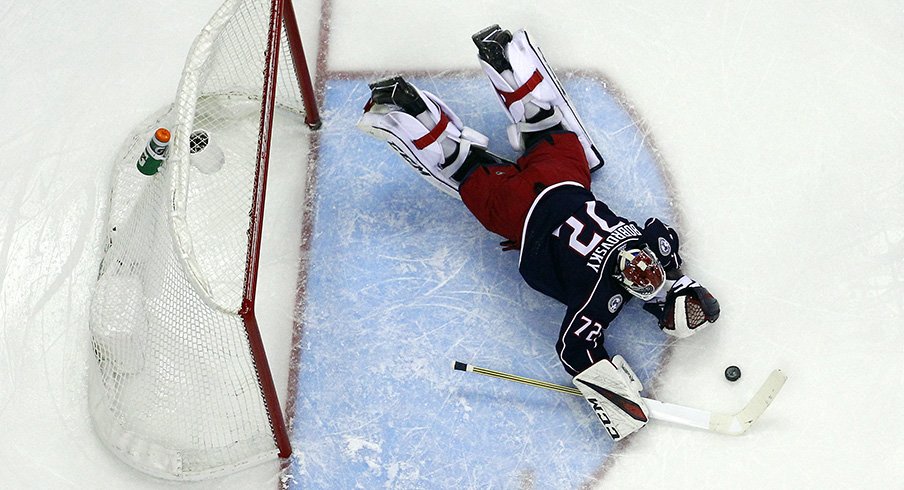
{"x":638,"y":270}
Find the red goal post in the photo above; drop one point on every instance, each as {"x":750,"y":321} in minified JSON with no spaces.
{"x":181,"y":387}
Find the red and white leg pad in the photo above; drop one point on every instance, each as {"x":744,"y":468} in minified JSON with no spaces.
{"x":421,"y":144}
{"x":533,"y":82}
{"x":613,"y":390}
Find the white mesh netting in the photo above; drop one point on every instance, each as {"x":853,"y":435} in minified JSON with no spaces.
{"x":175,"y":391}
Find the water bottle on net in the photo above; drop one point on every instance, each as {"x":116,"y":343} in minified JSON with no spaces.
{"x":154,"y":153}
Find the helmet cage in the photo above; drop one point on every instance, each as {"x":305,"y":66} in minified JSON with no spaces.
{"x":639,"y":272}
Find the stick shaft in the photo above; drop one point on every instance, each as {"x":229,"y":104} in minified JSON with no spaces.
{"x":460,"y":366}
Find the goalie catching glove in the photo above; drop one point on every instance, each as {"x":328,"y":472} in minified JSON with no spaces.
{"x":686,"y":309}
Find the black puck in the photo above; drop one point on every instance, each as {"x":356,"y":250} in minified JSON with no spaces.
{"x":732,"y":373}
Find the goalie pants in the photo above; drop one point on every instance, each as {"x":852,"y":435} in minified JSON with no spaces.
{"x":500,"y":195}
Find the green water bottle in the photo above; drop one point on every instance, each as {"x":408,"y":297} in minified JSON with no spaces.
{"x":154,"y":153}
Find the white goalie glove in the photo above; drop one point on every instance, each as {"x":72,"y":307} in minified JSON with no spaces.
{"x":686,"y":308}
{"x":612,"y":389}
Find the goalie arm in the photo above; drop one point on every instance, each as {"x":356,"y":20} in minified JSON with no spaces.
{"x":682,"y":306}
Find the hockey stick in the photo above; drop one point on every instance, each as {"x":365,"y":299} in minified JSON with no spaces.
{"x":733,"y":424}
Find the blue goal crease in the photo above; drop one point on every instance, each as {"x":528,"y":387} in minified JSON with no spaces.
{"x":402,"y":280}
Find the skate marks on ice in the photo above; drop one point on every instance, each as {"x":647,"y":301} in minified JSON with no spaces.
{"x":402,"y":280}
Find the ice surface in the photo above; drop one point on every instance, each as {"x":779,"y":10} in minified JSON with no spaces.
{"x":402,"y":281}
{"x":780,"y":126}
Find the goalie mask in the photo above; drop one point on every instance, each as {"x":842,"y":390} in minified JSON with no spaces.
{"x":639,"y":272}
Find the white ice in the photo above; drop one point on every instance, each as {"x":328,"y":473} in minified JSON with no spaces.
{"x":782,"y":125}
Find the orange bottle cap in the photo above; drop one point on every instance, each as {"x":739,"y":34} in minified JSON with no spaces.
{"x":162,"y":135}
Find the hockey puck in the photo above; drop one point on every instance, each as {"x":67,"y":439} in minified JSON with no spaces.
{"x":732,"y":373}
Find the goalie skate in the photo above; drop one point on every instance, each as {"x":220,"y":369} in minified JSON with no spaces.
{"x":531,"y":95}
{"x":423,"y":130}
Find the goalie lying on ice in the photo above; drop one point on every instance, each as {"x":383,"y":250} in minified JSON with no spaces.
{"x":573,"y":247}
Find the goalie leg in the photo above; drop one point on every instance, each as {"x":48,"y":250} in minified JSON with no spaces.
{"x":529,"y":91}
{"x":613,"y":391}
{"x":423,"y":130}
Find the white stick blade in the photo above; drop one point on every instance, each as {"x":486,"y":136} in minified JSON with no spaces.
{"x":738,"y":423}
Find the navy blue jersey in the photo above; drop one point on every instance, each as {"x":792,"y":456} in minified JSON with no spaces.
{"x":569,"y":252}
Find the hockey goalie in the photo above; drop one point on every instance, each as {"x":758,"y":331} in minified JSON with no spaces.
{"x":573,"y":248}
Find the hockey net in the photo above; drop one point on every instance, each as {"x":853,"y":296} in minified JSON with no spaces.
{"x":181,"y":388}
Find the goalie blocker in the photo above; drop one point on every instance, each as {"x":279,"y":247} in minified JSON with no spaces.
{"x":613,"y":391}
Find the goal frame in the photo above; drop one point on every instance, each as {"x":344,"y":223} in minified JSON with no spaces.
{"x":182,"y":388}
{"x":312,"y":119}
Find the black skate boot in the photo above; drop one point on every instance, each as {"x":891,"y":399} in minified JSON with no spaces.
{"x":491,"y":46}
{"x":396,"y":91}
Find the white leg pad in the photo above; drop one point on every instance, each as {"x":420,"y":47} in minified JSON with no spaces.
{"x":420,"y":145}
{"x":535,"y":83}
{"x":613,"y":391}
